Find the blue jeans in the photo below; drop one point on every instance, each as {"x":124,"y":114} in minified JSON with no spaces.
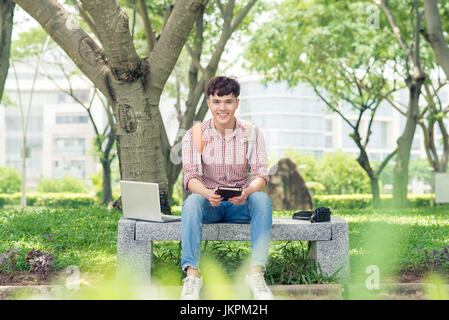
{"x":197,"y":210}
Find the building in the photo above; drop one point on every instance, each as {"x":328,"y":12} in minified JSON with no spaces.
{"x":59,"y":134}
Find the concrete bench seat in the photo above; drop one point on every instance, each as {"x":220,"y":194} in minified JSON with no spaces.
{"x":329,"y":241}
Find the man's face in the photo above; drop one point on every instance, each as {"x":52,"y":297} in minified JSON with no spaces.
{"x":223,"y":108}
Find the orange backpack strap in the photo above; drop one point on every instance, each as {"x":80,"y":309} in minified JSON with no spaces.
{"x":198,"y":140}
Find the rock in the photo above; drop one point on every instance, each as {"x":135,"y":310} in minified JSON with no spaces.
{"x":287,"y":189}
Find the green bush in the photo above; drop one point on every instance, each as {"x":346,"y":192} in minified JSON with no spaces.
{"x":10,"y":180}
{"x":360,"y":201}
{"x":338,"y":173}
{"x":65,"y":184}
{"x":177,"y":192}
{"x":51,"y":200}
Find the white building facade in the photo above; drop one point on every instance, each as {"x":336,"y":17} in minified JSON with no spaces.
{"x":59,"y":135}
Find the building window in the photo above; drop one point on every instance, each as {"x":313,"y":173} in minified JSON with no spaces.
{"x":61,"y":97}
{"x":378,"y":138}
{"x":73,"y":168}
{"x":328,"y":141}
{"x":81,"y":95}
{"x":328,"y":124}
{"x":69,"y":146}
{"x":71,"y":118}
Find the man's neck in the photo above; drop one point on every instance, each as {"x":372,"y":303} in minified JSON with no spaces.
{"x":222,"y":129}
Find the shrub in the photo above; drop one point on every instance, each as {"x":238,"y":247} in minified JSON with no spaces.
{"x":178,"y":192}
{"x":10,"y":180}
{"x":338,"y":173}
{"x":52,"y":200}
{"x":10,"y":256}
{"x":288,"y":264}
{"x":360,"y":201}
{"x":438,"y":261}
{"x":41,"y":263}
{"x":65,"y":184}
{"x":307,"y":165}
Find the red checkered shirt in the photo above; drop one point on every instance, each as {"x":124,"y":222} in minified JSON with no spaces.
{"x":224,"y":160}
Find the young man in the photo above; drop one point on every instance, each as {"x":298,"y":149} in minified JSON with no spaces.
{"x":224,"y":163}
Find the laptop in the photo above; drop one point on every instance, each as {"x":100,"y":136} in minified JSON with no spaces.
{"x":140,"y":201}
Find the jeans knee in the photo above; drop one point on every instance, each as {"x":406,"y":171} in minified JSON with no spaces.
{"x":260,"y":198}
{"x":192,"y":206}
{"x":260,"y":206}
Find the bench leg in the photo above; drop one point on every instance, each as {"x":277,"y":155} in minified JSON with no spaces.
{"x":333,"y":255}
{"x":133,"y":257}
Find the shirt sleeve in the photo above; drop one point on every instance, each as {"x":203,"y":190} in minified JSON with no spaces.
{"x":258,"y":159}
{"x":189,"y":159}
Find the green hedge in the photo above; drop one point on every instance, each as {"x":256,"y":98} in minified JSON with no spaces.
{"x":360,"y":201}
{"x":51,"y":200}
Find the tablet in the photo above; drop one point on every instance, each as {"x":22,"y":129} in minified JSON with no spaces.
{"x":228,"y":192}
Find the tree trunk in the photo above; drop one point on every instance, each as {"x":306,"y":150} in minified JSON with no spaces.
{"x":400,"y":173}
{"x":140,"y":150}
{"x":6,"y":24}
{"x":375,"y":190}
{"x":373,"y":176}
{"x":107,"y":189}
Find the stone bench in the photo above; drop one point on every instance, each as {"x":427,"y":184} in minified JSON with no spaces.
{"x":329,"y":241}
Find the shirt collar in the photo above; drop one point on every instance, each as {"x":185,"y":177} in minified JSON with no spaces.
{"x":238,"y":126}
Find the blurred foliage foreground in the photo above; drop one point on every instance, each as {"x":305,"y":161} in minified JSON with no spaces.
{"x":392,"y":241}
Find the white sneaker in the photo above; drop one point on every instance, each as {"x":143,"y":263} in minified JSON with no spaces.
{"x":191,"y":288}
{"x":256,"y":282}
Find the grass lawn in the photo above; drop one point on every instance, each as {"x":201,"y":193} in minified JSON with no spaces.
{"x":86,"y":238}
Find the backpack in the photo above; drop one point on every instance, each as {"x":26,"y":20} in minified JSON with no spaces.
{"x":199,"y":143}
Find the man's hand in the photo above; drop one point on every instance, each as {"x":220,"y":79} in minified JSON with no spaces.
{"x":239,"y":200}
{"x":214,"y":199}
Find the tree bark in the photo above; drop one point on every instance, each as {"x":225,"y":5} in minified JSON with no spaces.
{"x":107,"y":190}
{"x":6,"y":24}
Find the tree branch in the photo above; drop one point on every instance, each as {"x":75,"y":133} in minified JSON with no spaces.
{"x":114,"y":34}
{"x":385,"y":161}
{"x":151,"y":38}
{"x":435,"y":34}
{"x":395,"y":28}
{"x":81,"y":48}
{"x":86,"y":17}
{"x":241,"y":15}
{"x":195,"y":61}
{"x":6,"y":26}
{"x":172,"y":40}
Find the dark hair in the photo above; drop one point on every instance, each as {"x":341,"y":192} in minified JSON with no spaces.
{"x":223,"y":86}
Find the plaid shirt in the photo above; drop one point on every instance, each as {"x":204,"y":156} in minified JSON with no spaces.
{"x":224,"y":160}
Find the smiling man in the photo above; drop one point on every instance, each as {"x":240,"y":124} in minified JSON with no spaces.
{"x":224,"y":162}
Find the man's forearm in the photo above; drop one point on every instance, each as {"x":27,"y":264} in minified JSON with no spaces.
{"x":255,"y":186}
{"x":196,"y":186}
